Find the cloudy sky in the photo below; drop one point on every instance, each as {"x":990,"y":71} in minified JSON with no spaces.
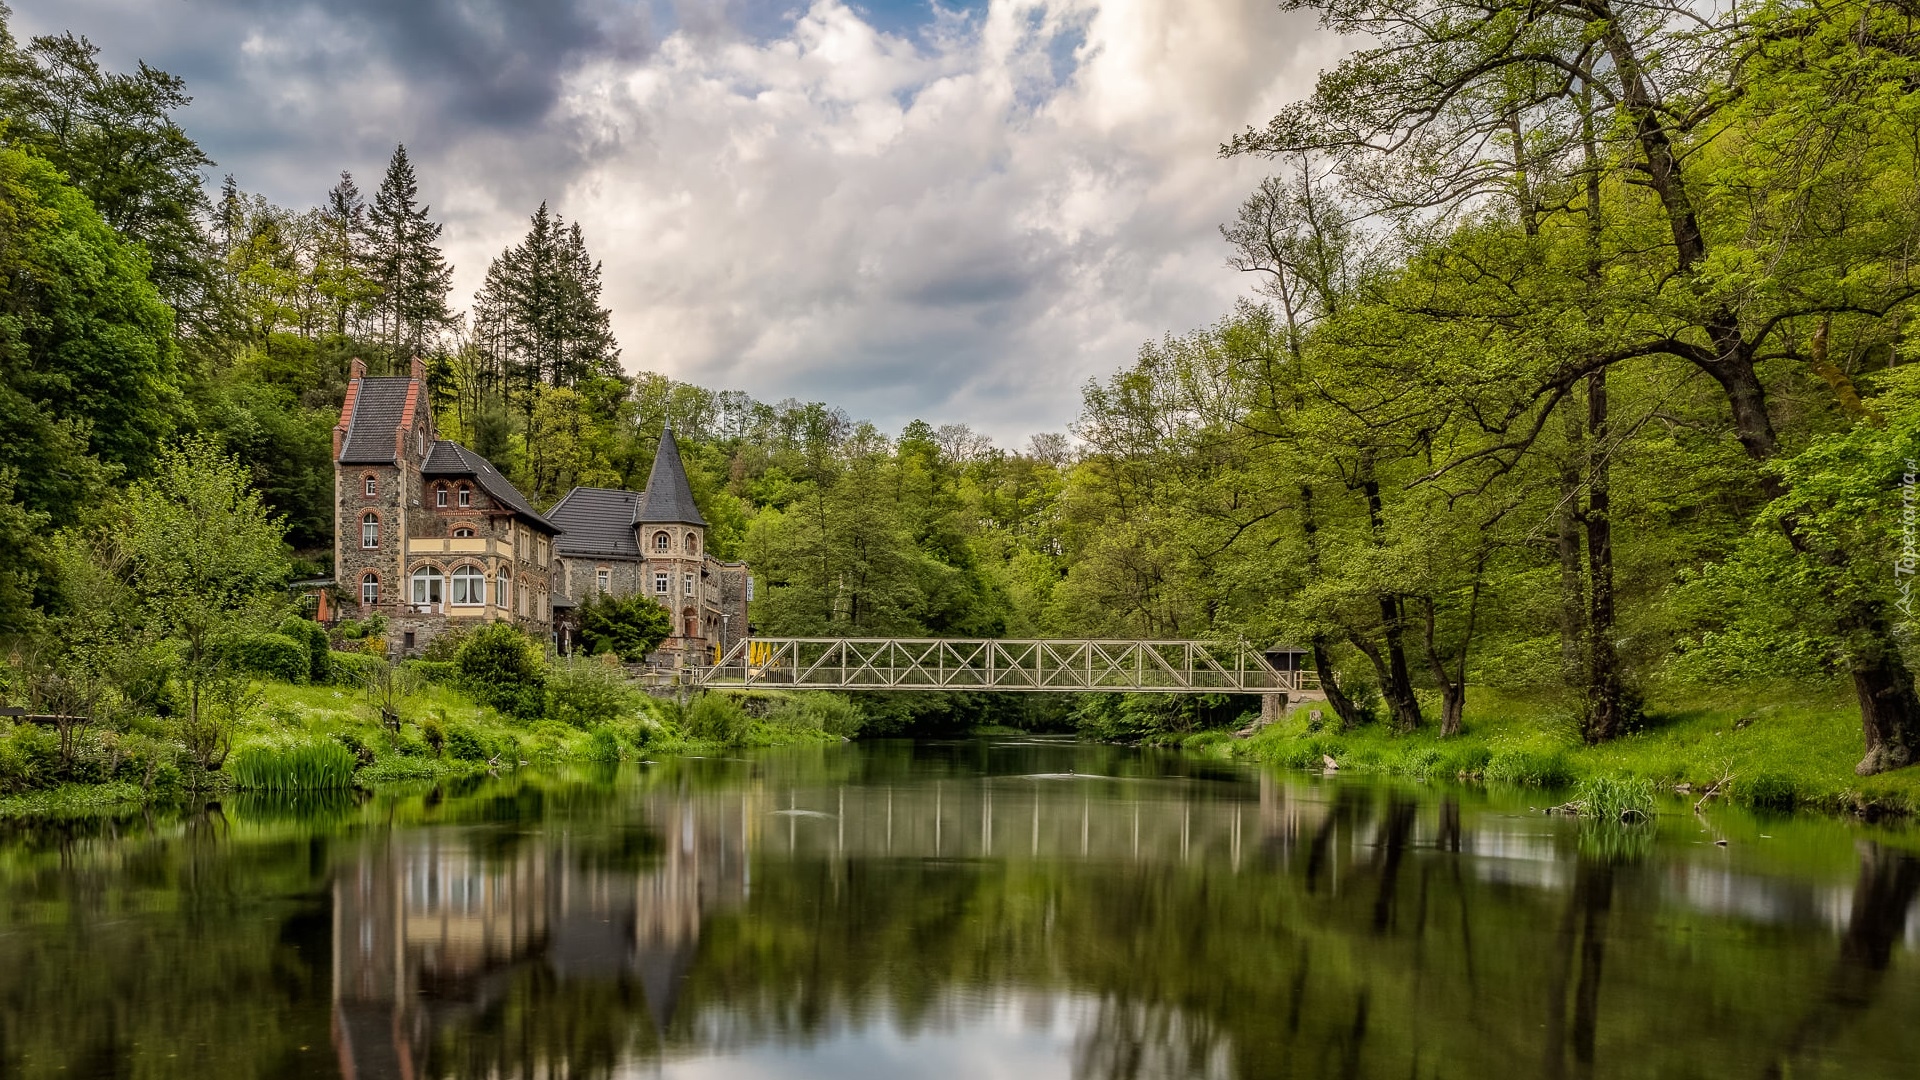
{"x":957,"y":210}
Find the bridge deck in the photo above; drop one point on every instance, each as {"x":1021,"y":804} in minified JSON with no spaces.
{"x":1033,"y":666}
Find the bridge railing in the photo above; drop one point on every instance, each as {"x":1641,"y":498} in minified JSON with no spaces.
{"x":1025,"y":665}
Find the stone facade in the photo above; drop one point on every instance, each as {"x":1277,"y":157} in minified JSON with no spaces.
{"x":653,"y":543}
{"x":428,"y":533}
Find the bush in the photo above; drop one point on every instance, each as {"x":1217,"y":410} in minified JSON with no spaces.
{"x":444,"y":647}
{"x":315,"y":766}
{"x":355,"y":668}
{"x":833,"y":713}
{"x":604,"y":746}
{"x":587,"y":693}
{"x":1529,"y":768}
{"x":319,"y":647}
{"x":29,"y":759}
{"x":629,"y":627}
{"x":275,"y":656}
{"x":435,"y":734}
{"x":718,"y":718}
{"x":465,"y":744}
{"x":438,"y":672}
{"x":502,"y":667}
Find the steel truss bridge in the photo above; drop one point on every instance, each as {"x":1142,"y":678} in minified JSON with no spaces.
{"x":1033,"y":666}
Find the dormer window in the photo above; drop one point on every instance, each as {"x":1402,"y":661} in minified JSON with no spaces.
{"x":372,"y":486}
{"x":661,"y":542}
{"x":440,"y":496}
{"x":466,"y":495}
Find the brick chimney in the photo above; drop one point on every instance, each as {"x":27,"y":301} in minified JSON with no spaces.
{"x":419,"y":370}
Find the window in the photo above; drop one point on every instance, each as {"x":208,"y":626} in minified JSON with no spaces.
{"x":693,"y":544}
{"x":466,"y":495}
{"x":462,"y":534}
{"x":469,"y":586}
{"x":370,"y":590}
{"x":372,"y":486}
{"x":426,"y":586}
{"x":660,"y":583}
{"x":370,"y":531}
{"x":660,"y":542}
{"x":603,"y":579}
{"x":689,"y":584}
{"x":503,"y":591}
{"x":440,"y":495}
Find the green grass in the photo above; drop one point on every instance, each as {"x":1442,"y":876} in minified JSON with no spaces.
{"x":304,"y":766}
{"x":1779,"y":748}
{"x":71,"y":800}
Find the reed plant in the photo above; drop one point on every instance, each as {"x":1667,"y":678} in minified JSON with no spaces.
{"x":313,"y":766}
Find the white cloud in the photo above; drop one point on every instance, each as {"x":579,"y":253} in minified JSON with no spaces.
{"x":965,"y":226}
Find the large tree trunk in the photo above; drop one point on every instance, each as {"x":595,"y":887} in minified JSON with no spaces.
{"x":1573,"y":600}
{"x":1342,"y":705}
{"x":1396,"y":682}
{"x":1602,"y":719}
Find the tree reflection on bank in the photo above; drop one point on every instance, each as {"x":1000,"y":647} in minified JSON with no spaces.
{"x":1085,"y":912}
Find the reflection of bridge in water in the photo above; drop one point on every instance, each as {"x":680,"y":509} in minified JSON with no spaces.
{"x":1028,"y":666}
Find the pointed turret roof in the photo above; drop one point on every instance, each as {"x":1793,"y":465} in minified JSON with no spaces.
{"x":668,"y":499}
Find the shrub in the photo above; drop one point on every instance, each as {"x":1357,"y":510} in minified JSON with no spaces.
{"x":355,"y":668}
{"x":435,"y":733}
{"x":718,"y":718}
{"x":604,"y":746}
{"x":833,"y":713}
{"x":629,"y":627}
{"x":502,"y":667}
{"x":587,"y":693}
{"x":319,"y":647}
{"x":29,"y":759}
{"x":444,"y":647}
{"x":275,"y":656}
{"x":1529,"y":768}
{"x":355,"y":745}
{"x":438,"y":672}
{"x":465,"y":744}
{"x":314,"y":766}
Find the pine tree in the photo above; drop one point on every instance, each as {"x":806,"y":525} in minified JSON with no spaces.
{"x":340,"y":263}
{"x":405,"y":262}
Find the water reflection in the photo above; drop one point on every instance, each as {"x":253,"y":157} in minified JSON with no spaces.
{"x":951,"y":910}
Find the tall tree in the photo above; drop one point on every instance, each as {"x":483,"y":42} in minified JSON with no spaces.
{"x":405,"y":264}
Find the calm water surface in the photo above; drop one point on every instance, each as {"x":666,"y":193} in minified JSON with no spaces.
{"x":1013,"y":908}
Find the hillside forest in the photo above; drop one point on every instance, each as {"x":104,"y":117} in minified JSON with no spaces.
{"x":1576,"y":361}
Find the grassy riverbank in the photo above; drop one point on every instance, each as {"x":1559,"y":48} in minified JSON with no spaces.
{"x":1781,"y":749}
{"x":305,"y":737}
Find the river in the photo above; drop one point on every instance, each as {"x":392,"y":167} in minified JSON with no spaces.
{"x":985,"y":908}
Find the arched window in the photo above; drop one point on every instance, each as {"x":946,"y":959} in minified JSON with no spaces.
{"x":426,"y":587}
{"x":370,"y":530}
{"x":693,"y":544}
{"x":466,"y":495}
{"x":661,"y":542}
{"x":503,"y":591}
{"x":439,"y":494}
{"x":370,"y":484}
{"x":462,"y":534}
{"x":469,"y":586}
{"x":370,"y":590}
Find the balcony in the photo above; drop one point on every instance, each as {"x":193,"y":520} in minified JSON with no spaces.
{"x":464,"y":545}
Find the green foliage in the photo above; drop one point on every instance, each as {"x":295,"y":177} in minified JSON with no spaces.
{"x":440,"y":672}
{"x":503,"y":667}
{"x":716,"y":717}
{"x":629,"y":627}
{"x":313,"y":766}
{"x":319,"y":647}
{"x":463,"y":743}
{"x":355,"y":668}
{"x":275,"y":656}
{"x":1530,"y":768}
{"x":822,"y":710}
{"x":588,"y":693}
{"x":1614,"y":798}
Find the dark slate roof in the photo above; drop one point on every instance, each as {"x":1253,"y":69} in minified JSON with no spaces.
{"x":597,"y":521}
{"x":373,"y":432}
{"x":449,"y":458}
{"x":668,"y":498}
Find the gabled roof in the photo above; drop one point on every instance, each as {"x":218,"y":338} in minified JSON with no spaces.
{"x":449,"y":458}
{"x":597,"y":521}
{"x":373,"y":434}
{"x":668,"y":498}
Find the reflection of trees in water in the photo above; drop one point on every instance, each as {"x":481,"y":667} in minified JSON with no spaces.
{"x":1138,"y":1040}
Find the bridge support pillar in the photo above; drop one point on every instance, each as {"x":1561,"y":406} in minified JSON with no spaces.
{"x":1272,"y":708}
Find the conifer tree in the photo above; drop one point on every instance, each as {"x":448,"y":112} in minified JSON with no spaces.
{"x":405,"y":262}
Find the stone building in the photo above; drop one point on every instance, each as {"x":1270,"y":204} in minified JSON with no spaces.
{"x":428,"y":533}
{"x":654,"y":543}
